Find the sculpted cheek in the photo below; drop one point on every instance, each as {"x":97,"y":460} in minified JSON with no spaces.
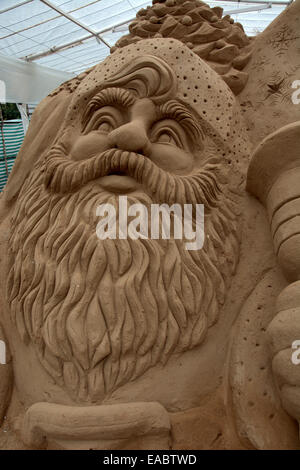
{"x":172,"y":158}
{"x":87,"y":146}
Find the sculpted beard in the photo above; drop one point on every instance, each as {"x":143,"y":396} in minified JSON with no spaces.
{"x":101,"y":312}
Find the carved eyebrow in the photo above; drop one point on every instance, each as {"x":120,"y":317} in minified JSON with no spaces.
{"x":109,"y":96}
{"x":175,"y":110}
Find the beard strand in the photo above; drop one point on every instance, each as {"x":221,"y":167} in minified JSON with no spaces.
{"x":101,"y":313}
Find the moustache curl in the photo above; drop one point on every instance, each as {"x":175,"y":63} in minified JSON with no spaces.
{"x":62,"y":175}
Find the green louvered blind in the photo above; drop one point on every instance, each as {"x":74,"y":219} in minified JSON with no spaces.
{"x":13,"y":134}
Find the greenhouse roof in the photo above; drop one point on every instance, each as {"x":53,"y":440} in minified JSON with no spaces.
{"x":73,"y":35}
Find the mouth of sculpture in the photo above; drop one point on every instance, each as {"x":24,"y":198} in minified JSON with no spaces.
{"x":118,"y":173}
{"x":118,"y":182}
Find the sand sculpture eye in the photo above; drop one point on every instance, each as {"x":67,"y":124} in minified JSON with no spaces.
{"x":166,"y":138}
{"x":169,"y":132}
{"x":105,"y":125}
{"x":104,"y":120}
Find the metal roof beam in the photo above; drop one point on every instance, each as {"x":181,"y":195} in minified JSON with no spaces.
{"x":78,"y":23}
{"x":67,"y":45}
{"x":248,"y":9}
{"x":15,"y":6}
{"x":41,"y":22}
{"x":262,"y":2}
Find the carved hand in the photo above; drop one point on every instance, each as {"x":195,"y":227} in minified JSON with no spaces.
{"x":284,"y":331}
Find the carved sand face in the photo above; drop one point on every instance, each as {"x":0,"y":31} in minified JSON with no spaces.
{"x":101,"y":313}
{"x":158,"y":131}
{"x":139,"y":128}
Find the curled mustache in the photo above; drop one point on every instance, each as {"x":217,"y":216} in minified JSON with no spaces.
{"x":63,"y":175}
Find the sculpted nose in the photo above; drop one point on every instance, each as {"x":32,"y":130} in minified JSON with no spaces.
{"x":131,"y":137}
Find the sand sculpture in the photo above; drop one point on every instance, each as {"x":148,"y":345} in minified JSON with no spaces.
{"x":126,"y":344}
